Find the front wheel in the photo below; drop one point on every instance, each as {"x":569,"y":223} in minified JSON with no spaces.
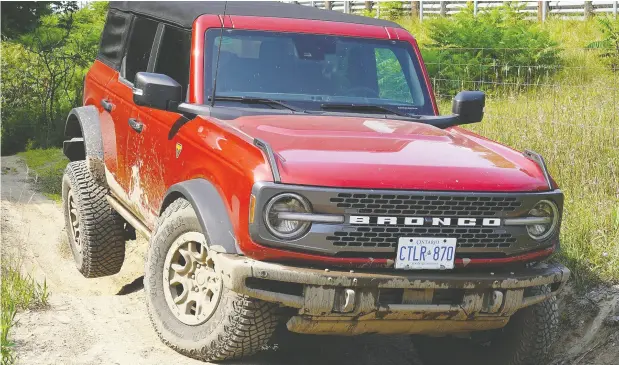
{"x":188,"y":305}
{"x":525,"y":340}
{"x":95,"y":230}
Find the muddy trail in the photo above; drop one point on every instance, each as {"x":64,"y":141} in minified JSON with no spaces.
{"x":104,"y":321}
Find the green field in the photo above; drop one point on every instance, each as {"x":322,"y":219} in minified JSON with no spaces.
{"x":573,"y":121}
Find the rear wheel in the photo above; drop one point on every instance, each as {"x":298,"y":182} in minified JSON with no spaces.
{"x":189,"y":307}
{"x":525,"y":340}
{"x":94,"y":229}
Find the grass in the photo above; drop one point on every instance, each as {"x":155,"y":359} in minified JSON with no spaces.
{"x":48,"y":166}
{"x":573,"y":121}
{"x":19,"y":292}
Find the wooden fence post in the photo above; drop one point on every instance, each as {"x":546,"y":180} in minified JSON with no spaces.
{"x":328,"y":5}
{"x":615,"y":8}
{"x":420,"y":10}
{"x":368,"y":6}
{"x":414,"y":9}
{"x":443,"y":8}
{"x":347,"y":7}
{"x":475,"y":8}
{"x":542,"y":11}
{"x":588,"y":9}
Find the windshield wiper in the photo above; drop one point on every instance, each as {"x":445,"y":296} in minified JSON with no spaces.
{"x":254,"y":100}
{"x":364,"y":107}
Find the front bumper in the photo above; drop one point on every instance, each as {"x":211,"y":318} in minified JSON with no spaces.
{"x":429,"y":302}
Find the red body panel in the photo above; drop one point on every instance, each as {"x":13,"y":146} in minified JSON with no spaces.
{"x":311,"y":150}
{"x":389,"y":154}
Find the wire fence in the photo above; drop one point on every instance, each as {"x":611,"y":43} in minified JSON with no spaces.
{"x":580,"y":91}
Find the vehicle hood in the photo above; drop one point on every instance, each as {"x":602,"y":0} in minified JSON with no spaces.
{"x":356,"y":152}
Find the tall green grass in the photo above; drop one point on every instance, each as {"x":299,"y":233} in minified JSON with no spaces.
{"x":48,"y":166}
{"x":572,"y":119}
{"x":19,"y":292}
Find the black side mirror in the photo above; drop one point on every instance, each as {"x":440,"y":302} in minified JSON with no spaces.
{"x":157,"y":91}
{"x":468,"y":106}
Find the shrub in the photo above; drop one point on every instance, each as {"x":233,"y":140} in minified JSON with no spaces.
{"x":609,"y":46}
{"x":499,"y":47}
{"x":391,"y":10}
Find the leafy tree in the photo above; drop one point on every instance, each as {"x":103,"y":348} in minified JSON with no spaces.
{"x":19,"y":17}
{"x":42,"y":75}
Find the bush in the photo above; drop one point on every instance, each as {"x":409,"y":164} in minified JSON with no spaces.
{"x":609,"y":46}
{"x":498,"y":47}
{"x":391,"y":10}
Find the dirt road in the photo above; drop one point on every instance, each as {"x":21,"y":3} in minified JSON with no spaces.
{"x":103,"y":321}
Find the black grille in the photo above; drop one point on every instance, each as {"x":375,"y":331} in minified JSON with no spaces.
{"x":424,"y":205}
{"x":467,"y":237}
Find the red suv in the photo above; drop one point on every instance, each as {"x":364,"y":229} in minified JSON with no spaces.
{"x":289,"y":165}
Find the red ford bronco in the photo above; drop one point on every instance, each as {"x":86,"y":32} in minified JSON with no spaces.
{"x":289,"y":165}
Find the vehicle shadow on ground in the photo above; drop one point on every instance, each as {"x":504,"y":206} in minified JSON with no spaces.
{"x":132,"y":287}
{"x":337,"y":350}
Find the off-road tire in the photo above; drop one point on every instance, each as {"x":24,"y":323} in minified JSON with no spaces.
{"x":526,"y":340}
{"x":239,"y":326}
{"x":101,"y":227}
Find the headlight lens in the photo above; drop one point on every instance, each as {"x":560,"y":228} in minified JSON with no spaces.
{"x":543,"y":209}
{"x":285,"y":228}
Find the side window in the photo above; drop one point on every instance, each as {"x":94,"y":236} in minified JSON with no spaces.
{"x":173,"y":55}
{"x":140,"y":44}
{"x":391,"y":80}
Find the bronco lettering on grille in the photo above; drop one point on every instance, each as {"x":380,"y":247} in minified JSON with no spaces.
{"x":420,"y":221}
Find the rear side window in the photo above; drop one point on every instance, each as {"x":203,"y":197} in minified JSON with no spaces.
{"x":113,"y":38}
{"x":138,"y":50}
{"x":173,"y":56}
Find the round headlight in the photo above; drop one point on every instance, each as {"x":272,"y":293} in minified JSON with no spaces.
{"x":543,"y":209}
{"x":286,"y":228}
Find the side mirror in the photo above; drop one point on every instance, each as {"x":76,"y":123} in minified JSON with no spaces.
{"x":157,"y":91}
{"x":468,"y":106}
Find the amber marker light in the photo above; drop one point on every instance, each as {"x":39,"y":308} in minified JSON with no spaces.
{"x":252,"y":208}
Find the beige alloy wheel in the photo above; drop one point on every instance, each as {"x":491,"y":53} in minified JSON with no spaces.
{"x":192,"y":287}
{"x":74,"y":221}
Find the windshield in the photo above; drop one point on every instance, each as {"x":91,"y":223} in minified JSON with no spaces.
{"x":311,"y":71}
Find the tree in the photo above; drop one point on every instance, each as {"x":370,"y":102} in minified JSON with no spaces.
{"x":42,"y":75}
{"x":20,"y":17}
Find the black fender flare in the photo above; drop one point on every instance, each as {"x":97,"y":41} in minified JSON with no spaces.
{"x":210,"y":209}
{"x":84,"y":140}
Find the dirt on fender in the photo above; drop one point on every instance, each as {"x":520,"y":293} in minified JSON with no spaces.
{"x":104,"y":320}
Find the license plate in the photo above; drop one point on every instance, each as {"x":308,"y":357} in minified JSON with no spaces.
{"x":425,"y":253}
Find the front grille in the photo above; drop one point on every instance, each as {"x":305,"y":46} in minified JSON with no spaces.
{"x":467,"y":237}
{"x":432,"y":205}
{"x":367,"y":237}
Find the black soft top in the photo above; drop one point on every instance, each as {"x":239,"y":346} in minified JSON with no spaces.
{"x":183,"y":13}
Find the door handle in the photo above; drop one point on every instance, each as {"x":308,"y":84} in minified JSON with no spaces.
{"x":107,"y":105}
{"x":136,"y":125}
